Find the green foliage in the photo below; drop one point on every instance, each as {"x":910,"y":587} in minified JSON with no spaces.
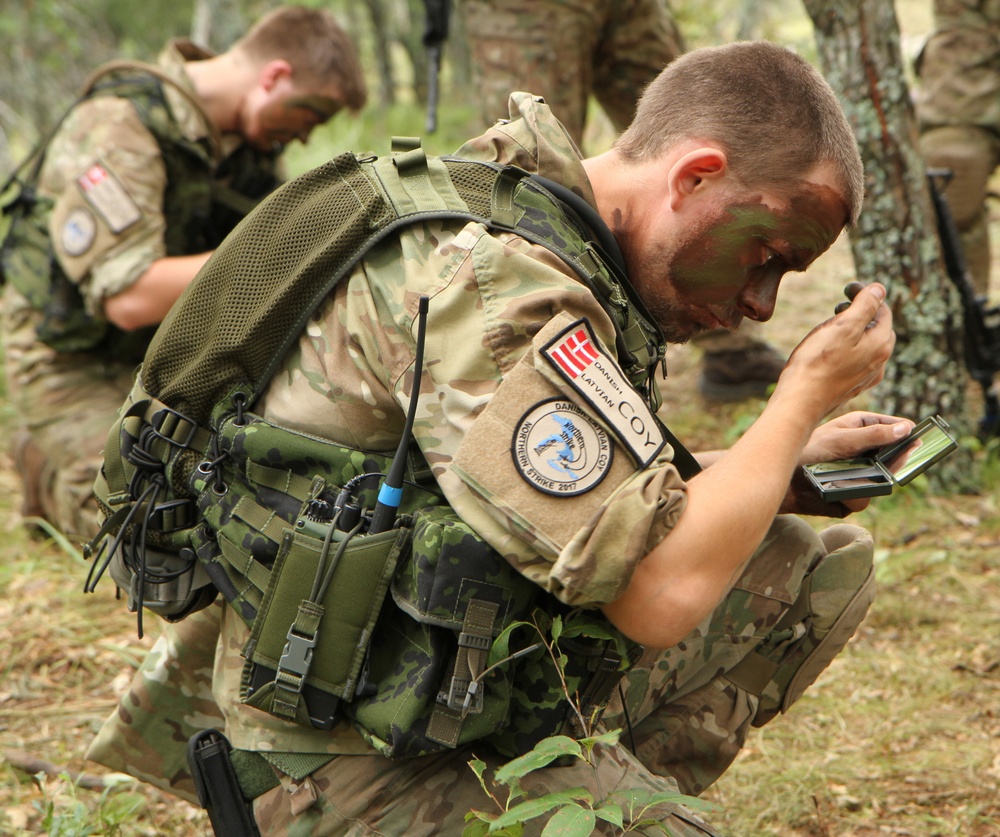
{"x":574,"y":812}
{"x":65,"y":814}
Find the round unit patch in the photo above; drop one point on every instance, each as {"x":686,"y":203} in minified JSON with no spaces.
{"x":78,"y":232}
{"x":559,"y":450}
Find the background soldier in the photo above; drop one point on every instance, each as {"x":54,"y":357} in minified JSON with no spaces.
{"x":140,"y":182}
{"x":959,"y":112}
{"x":566,"y":50}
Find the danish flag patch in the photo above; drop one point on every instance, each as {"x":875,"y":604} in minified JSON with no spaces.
{"x":578,"y":358}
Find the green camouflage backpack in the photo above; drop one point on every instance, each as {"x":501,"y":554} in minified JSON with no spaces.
{"x":398,"y":630}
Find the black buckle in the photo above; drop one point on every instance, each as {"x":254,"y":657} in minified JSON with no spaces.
{"x":165,"y":423}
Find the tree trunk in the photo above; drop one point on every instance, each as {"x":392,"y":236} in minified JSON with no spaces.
{"x":895,"y":241}
{"x":217,"y":24}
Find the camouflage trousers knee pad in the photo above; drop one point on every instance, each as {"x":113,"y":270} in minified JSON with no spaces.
{"x":834,"y":599}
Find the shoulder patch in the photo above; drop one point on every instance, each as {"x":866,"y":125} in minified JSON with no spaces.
{"x":559,"y":450}
{"x":108,"y":198}
{"x":577,"y":357}
{"x":78,"y":231}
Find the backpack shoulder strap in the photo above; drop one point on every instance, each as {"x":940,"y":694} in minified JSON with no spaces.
{"x":142,"y":68}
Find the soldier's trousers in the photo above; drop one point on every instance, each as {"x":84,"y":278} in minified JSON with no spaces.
{"x":798,"y":601}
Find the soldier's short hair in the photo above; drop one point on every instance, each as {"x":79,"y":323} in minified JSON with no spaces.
{"x":772,"y":112}
{"x":320,"y":51}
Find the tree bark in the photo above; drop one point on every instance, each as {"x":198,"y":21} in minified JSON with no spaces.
{"x":895,"y":241}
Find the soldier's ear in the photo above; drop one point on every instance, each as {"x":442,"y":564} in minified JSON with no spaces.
{"x":273,"y":72}
{"x":694,"y":173}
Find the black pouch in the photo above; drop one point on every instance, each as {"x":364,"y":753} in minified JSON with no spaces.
{"x":217,"y":786}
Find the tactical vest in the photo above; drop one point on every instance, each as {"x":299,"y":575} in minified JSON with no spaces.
{"x":202,"y":203}
{"x":421,"y":635}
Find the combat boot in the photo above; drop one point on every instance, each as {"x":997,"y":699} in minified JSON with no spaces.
{"x":738,"y":374}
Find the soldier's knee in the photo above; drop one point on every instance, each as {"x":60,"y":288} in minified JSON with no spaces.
{"x":835,"y":596}
{"x":971,"y":154}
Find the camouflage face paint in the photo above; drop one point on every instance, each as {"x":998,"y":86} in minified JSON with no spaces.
{"x":730,"y":265}
{"x":324,"y":107}
{"x":293,"y":117}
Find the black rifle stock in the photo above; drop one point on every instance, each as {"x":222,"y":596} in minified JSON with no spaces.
{"x":981,"y":322}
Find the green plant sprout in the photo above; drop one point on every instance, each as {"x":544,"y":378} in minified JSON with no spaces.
{"x":574,"y":812}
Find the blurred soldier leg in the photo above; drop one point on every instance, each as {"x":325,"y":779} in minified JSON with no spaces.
{"x":737,"y":365}
{"x":638,"y":38}
{"x":800,"y":599}
{"x":58,"y":451}
{"x":971,"y":154}
{"x":564,"y":51}
{"x":959,"y":112}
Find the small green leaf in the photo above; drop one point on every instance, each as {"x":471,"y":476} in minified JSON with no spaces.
{"x":500,"y":649}
{"x":612,"y":814}
{"x":531,"y":808}
{"x":478,"y":824}
{"x":478,"y":767}
{"x":610,"y":738}
{"x":544,"y":753}
{"x":557,"y":627}
{"x":673,"y":798}
{"x":571,"y":821}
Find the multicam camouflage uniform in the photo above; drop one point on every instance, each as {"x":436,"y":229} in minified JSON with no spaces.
{"x":959,"y":111}
{"x":105,"y":191}
{"x":495,"y":301}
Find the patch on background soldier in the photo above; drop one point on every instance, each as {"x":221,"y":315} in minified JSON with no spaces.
{"x":78,"y":231}
{"x":105,"y":193}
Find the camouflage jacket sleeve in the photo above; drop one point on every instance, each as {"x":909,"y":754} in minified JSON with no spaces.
{"x":104,"y":172}
{"x":495,"y":303}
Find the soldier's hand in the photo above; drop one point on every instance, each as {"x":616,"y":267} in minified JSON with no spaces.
{"x":842,"y":357}
{"x":853,"y":434}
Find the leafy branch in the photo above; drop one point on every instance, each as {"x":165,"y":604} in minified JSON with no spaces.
{"x":574,"y":812}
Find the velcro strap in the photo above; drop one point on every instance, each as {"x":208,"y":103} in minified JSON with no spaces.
{"x":464,"y":692}
{"x":254,"y":774}
{"x":752,"y":673}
